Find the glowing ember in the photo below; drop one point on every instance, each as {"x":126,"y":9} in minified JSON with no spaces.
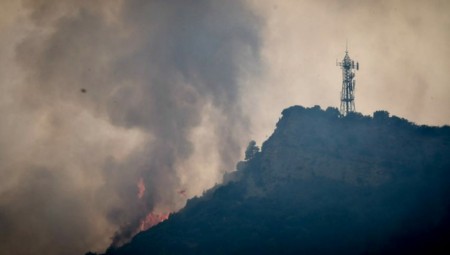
{"x":182,"y":192}
{"x":153,"y":219}
{"x":141,"y":188}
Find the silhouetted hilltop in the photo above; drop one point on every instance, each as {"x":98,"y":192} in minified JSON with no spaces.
{"x":321,"y":184}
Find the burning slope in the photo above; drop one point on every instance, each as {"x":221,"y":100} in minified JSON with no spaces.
{"x":152,"y":218}
{"x":148,"y":83}
{"x":322,"y":185}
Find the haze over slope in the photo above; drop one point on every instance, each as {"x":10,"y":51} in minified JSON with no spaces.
{"x":321,"y":185}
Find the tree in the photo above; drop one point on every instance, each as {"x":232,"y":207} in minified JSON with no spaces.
{"x":251,"y":150}
{"x":381,"y":115}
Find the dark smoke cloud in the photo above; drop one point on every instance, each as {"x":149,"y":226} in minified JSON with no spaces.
{"x":116,"y":91}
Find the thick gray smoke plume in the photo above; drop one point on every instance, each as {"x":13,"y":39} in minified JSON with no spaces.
{"x":96,"y":95}
{"x":116,"y":92}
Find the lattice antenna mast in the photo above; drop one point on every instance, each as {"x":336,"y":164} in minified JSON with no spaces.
{"x":348,"y":84}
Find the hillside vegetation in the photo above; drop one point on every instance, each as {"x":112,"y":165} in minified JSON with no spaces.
{"x":321,"y":184}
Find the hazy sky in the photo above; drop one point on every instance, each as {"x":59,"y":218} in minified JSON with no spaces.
{"x":402,"y":48}
{"x":174,"y":90}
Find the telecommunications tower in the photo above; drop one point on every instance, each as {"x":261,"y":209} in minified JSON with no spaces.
{"x":348,"y":84}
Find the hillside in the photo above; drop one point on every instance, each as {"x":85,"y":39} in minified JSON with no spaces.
{"x":321,"y":185}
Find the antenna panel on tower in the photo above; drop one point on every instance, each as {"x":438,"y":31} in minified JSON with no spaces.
{"x":348,"y":84}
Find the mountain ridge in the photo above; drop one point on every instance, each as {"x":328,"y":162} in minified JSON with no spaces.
{"x":321,"y":184}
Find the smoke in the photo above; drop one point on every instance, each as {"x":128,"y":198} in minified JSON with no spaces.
{"x":97,"y":95}
{"x":116,"y":96}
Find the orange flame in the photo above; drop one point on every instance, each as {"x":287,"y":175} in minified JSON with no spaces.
{"x":141,"y":188}
{"x":153,"y":219}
